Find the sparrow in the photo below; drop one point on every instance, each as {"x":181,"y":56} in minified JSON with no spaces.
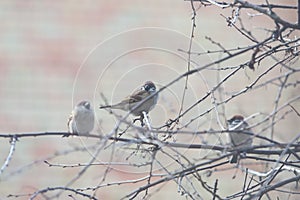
{"x":238,"y":139}
{"x":136,"y":103}
{"x":82,"y":118}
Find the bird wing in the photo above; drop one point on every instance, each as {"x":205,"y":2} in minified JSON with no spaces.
{"x":138,"y":96}
{"x":131,"y":100}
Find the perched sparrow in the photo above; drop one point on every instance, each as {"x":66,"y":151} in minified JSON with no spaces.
{"x":238,"y":139}
{"x":135,"y":102}
{"x":82,"y":119}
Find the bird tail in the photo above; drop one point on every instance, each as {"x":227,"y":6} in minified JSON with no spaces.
{"x":234,"y":158}
{"x":121,"y":106}
{"x":107,"y":106}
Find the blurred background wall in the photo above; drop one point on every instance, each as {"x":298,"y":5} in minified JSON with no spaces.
{"x":55,"y":53}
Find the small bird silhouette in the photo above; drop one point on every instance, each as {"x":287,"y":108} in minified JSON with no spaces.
{"x":81,"y":121}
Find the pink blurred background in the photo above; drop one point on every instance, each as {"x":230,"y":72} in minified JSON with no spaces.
{"x":54,"y":54}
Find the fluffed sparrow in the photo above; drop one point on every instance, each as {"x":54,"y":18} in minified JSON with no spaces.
{"x":82,"y":119}
{"x":238,"y":139}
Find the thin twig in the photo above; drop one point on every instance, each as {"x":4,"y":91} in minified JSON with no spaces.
{"x":10,"y":154}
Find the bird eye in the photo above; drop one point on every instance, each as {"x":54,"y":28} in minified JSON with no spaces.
{"x":87,"y":104}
